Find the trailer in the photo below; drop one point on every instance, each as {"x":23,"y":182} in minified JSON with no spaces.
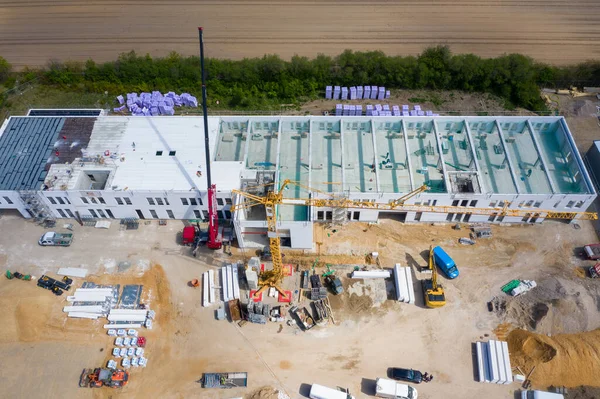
{"x":592,"y":251}
{"x":225,"y":380}
{"x":303,"y":317}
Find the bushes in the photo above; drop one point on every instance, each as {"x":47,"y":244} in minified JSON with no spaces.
{"x":269,"y":82}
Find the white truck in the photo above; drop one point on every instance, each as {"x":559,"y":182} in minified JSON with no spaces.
{"x":541,"y":395}
{"x":394,"y":390}
{"x":322,"y":392}
{"x":53,"y":239}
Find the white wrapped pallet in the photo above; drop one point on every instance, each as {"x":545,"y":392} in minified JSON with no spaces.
{"x":480,"y":363}
{"x":371,"y":274}
{"x":90,"y":297}
{"x":500,"y":362}
{"x":120,"y":317}
{"x":211,"y":286}
{"x":123,"y":325}
{"x":409,"y":285}
{"x":509,"y":374}
{"x":230,"y":282}
{"x":205,"y":302}
{"x":236,"y":282}
{"x":495,"y":373}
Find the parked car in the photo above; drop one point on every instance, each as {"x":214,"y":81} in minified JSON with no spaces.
{"x":410,"y":375}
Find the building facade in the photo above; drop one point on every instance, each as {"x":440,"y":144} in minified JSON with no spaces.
{"x":64,"y":166}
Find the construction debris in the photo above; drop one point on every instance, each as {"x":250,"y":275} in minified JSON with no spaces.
{"x":466,"y":241}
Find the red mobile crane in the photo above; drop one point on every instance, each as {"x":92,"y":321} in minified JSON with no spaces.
{"x":214,"y":241}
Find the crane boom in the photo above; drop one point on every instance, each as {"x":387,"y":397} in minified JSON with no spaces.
{"x":214,"y":241}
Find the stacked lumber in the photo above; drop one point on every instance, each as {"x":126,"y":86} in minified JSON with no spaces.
{"x":493,"y":362}
{"x":403,"y":281}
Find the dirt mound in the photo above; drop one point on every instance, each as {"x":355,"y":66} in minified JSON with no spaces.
{"x":563,"y":360}
{"x":267,"y":393}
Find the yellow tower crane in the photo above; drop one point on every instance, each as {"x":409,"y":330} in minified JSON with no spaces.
{"x":272,"y":199}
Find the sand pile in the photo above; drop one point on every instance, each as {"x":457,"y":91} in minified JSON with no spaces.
{"x":566,"y":360}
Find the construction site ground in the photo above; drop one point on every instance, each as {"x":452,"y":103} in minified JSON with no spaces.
{"x":373,"y":331}
{"x":555,"y":31}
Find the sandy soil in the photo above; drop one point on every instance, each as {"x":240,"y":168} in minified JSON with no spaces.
{"x":557,"y":31}
{"x":36,"y":338}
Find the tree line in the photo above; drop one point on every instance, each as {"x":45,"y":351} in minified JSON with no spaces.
{"x":269,"y":82}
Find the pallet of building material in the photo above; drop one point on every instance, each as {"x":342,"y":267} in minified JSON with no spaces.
{"x":257,"y":318}
{"x":400,"y":281}
{"x":230,"y":283}
{"x":89,"y":309}
{"x":410,"y":286}
{"x":493,"y":362}
{"x":211,"y":286}
{"x":205,"y":296}
{"x":235,"y":310}
{"x":125,"y":318}
{"x":236,"y":282}
{"x":129,"y":311}
{"x":224,"y":285}
{"x":370,"y":274}
{"x":83,"y":315}
{"x":72,"y":272}
{"x":123,"y":325}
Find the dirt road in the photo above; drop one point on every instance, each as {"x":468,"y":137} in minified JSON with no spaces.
{"x":557,"y":31}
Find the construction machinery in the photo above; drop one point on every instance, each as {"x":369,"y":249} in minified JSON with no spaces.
{"x":214,"y":239}
{"x":274,"y":198}
{"x":10,"y":275}
{"x":225,"y":380}
{"x":433,"y":293}
{"x":100,"y":377}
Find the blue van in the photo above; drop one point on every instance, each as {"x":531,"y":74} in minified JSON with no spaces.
{"x":445,"y":262}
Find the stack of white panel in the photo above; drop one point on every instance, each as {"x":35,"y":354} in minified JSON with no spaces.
{"x":89,"y":295}
{"x":122,"y":318}
{"x":405,"y":291}
{"x":493,"y":362}
{"x":230,"y":283}
{"x":208,"y":288}
{"x":370,"y":274}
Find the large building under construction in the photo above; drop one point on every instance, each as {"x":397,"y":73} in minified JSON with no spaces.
{"x":65,"y":164}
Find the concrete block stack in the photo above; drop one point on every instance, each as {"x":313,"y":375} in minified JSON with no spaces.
{"x":493,"y":362}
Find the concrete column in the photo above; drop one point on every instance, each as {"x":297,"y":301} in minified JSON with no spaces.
{"x":409,"y":164}
{"x":277,"y":182}
{"x":248,"y":131}
{"x":343,"y":165}
{"x":507,"y":158}
{"x":439,"y":146}
{"x":375,"y":154}
{"x":538,"y":148}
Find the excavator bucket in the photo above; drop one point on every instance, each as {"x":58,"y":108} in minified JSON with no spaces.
{"x":84,"y":379}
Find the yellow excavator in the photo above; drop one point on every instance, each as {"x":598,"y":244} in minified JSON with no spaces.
{"x":433,"y":293}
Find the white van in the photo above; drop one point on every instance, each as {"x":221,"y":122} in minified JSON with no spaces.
{"x":394,"y":390}
{"x":541,"y":395}
{"x":321,"y":392}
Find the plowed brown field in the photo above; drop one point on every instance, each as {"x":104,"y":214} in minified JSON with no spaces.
{"x":557,"y":31}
